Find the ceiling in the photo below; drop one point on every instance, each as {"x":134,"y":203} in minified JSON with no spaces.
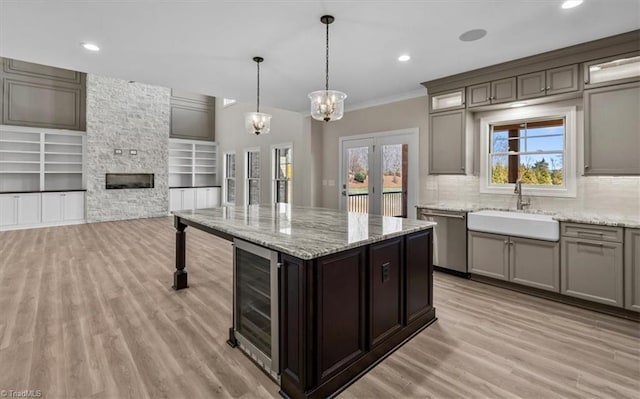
{"x":207,"y":46}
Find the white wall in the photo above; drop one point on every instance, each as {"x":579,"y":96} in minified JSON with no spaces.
{"x":286,"y":127}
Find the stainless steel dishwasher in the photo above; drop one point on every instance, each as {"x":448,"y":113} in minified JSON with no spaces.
{"x":449,"y":239}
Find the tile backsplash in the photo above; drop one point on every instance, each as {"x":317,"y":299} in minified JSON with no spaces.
{"x":618,"y":195}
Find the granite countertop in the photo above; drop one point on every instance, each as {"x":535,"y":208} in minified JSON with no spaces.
{"x":303,"y":232}
{"x":586,"y":217}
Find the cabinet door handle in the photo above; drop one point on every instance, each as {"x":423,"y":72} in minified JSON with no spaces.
{"x":590,"y":244}
{"x":586,"y":166}
{"x":506,"y":242}
{"x":542,"y":89}
{"x":549,"y":88}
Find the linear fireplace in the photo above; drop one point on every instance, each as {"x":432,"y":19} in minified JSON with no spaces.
{"x":116,"y":181}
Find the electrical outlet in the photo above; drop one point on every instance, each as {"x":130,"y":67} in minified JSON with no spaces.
{"x":117,"y":151}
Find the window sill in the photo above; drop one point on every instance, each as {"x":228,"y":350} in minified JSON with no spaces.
{"x":528,"y":191}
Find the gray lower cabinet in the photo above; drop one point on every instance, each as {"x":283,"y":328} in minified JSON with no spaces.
{"x":611,"y":126}
{"x":495,"y":92}
{"x":42,"y":96}
{"x":535,"y":263}
{"x":192,"y":116}
{"x":632,"y":269}
{"x":447,"y":132}
{"x":592,"y":270}
{"x":488,"y":255}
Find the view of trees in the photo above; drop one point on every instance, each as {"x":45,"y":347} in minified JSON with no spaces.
{"x":537,"y":173}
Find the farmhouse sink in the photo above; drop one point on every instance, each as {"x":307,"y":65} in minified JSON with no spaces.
{"x":528,"y":225}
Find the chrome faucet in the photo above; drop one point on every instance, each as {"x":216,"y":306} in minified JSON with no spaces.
{"x":521,"y":204}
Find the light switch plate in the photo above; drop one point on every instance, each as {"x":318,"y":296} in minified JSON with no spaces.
{"x":133,"y":152}
{"x":117,"y":151}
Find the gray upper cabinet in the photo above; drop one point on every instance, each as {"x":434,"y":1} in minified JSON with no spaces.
{"x":545,"y":83}
{"x":447,"y":142}
{"x":447,"y":101}
{"x":611,"y":126}
{"x":42,"y":96}
{"x":495,"y":92}
{"x":478,"y":95}
{"x":632,"y":269}
{"x":562,"y":80}
{"x":192,"y":116}
{"x":624,"y":68}
{"x":592,"y":269}
{"x":532,"y":85}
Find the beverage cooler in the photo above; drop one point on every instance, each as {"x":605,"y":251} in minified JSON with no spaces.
{"x":255,"y":313}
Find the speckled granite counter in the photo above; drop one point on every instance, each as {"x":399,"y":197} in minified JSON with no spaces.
{"x":303,"y":232}
{"x":587,"y":217}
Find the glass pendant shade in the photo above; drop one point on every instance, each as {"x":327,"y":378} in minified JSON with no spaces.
{"x":327,"y":105}
{"x":257,"y":123}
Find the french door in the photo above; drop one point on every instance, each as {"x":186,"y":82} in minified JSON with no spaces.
{"x":379,"y":173}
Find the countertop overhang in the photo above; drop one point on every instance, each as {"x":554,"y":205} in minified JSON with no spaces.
{"x":304,"y":232}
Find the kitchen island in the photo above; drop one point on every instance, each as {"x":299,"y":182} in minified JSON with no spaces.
{"x":320,"y":296}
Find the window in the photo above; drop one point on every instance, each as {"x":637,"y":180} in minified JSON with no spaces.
{"x":282,"y":173}
{"x":532,"y":151}
{"x":534,"y":145}
{"x":252,"y":187}
{"x":229,"y":178}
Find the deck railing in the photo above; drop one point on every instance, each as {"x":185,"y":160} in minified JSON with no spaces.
{"x":391,"y":203}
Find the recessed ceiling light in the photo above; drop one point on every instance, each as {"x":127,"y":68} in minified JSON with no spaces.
{"x":571,"y":4}
{"x":404,"y":58}
{"x":473,"y":35}
{"x":90,"y":47}
{"x":518,"y":105}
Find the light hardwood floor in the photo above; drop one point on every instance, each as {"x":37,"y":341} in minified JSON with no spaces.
{"x":87,"y":311}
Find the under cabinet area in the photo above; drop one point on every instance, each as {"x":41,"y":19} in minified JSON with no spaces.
{"x":447,"y":142}
{"x":632,"y":269}
{"x":592,"y":263}
{"x":534,"y":263}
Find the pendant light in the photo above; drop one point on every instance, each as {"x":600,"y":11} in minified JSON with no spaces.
{"x":327,"y":105}
{"x":257,"y":122}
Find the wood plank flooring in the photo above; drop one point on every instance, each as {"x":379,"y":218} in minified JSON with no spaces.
{"x":87,"y":311}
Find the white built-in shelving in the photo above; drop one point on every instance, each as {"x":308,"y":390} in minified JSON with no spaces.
{"x":33,"y":159}
{"x":192,"y":163}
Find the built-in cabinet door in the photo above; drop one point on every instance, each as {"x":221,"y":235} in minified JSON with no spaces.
{"x":611,"y":126}
{"x":419,"y":274}
{"x":592,"y":270}
{"x":207,"y":197}
{"x":8,"y":210}
{"x":488,"y":255}
{"x":532,"y":85}
{"x":29,"y":209}
{"x":503,"y":90}
{"x":385,"y":282}
{"x":562,"y":80}
{"x":175,"y":199}
{"x":192,"y":116}
{"x":535,"y":263}
{"x":478,"y":95}
{"x":52,"y":207}
{"x":447,"y":142}
{"x":632,"y":269}
{"x":189,"y":198}
{"x":73,"y":206}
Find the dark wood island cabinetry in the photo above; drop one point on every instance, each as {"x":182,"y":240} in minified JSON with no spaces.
{"x":346,"y":300}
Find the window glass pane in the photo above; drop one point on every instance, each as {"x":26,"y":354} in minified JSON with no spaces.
{"x":550,"y":143}
{"x":254,"y":192}
{"x":231,"y":165}
{"x":523,"y":141}
{"x":231,"y":190}
{"x":254,"y":165}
